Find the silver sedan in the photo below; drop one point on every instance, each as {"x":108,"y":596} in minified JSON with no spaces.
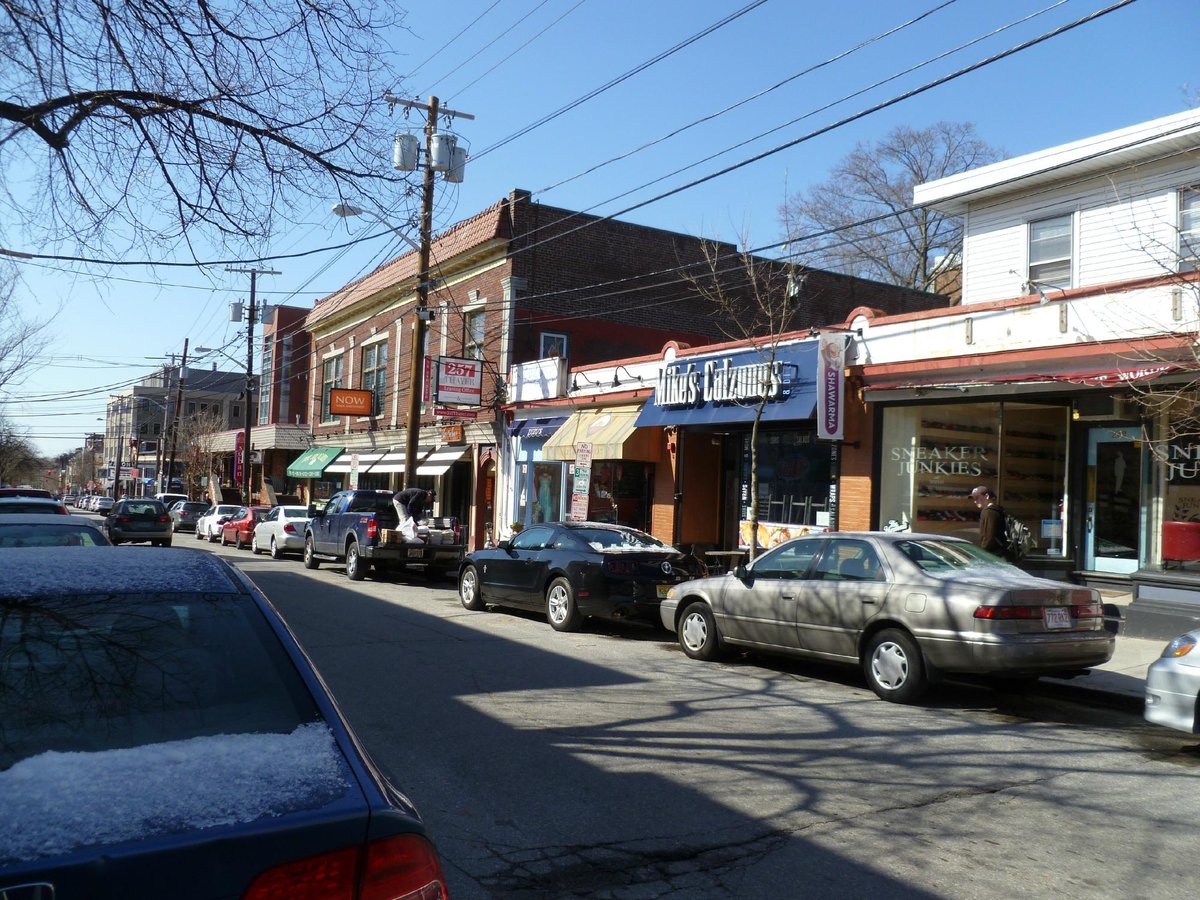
{"x":905,"y":607}
{"x":1173,"y":685}
{"x":282,"y":531}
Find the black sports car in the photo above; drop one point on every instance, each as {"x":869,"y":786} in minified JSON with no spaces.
{"x":573,"y":570}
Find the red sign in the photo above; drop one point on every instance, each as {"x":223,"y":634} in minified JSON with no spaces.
{"x":459,"y":380}
{"x":450,"y":413}
{"x":238,"y":448}
{"x":348,"y":402}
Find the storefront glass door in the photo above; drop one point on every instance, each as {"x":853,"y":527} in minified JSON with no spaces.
{"x":1112,"y":540}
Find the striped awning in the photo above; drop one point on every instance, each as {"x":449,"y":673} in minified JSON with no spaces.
{"x":374,"y":461}
{"x":612,"y":433}
{"x":440,"y":460}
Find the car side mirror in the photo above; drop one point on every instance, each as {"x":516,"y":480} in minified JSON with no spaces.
{"x":742,"y":573}
{"x":505,"y":545}
{"x":313,"y":512}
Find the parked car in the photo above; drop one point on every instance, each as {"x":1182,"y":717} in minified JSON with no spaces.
{"x":25,"y":492}
{"x":573,"y":570}
{"x":186,"y":513}
{"x":13,"y":505}
{"x":902,"y":606}
{"x":132,"y":520}
{"x":103,"y":505}
{"x":168,"y":499}
{"x":238,"y":529}
{"x":281,"y":531}
{"x":131,"y":676}
{"x":1173,"y":685}
{"x":208,"y":526}
{"x":49,"y":530}
{"x":69,"y":499}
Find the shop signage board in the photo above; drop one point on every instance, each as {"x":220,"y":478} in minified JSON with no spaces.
{"x":350,"y":402}
{"x":459,"y":381}
{"x":452,"y":434}
{"x":581,"y":484}
{"x":451,"y":413}
{"x":831,"y":362}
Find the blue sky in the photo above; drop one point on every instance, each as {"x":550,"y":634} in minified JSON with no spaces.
{"x":512,"y":62}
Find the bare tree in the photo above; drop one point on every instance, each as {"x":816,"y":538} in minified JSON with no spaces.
{"x":757,"y":300}
{"x":21,"y":341}
{"x":196,"y":439}
{"x":863,"y":217}
{"x":19,"y":462}
{"x":218,"y":116}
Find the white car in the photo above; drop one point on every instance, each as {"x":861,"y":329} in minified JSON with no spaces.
{"x":1173,"y":685}
{"x":208,"y":526}
{"x":282,"y":531}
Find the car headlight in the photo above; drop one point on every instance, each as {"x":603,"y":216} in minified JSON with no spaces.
{"x":1181,"y":646}
{"x":671,"y":594}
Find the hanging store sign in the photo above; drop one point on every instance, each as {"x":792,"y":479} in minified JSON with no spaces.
{"x":459,"y":381}
{"x":349,"y":402}
{"x":831,"y":363}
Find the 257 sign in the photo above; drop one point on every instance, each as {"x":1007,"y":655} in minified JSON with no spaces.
{"x":459,"y":381}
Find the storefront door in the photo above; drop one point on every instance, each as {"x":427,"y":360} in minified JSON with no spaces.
{"x":1114,"y":501}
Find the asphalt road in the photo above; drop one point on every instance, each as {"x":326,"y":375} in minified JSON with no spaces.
{"x":606,"y":764}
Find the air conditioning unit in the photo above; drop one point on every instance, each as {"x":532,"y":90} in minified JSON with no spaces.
{"x":1106,"y":408}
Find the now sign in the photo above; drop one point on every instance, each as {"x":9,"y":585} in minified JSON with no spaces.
{"x":348,"y":402}
{"x":459,"y":380}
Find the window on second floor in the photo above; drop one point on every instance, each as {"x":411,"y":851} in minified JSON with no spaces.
{"x":1050,"y":252}
{"x":331,"y":377}
{"x":264,"y":384}
{"x":473,"y":334}
{"x":374,"y":373}
{"x":1189,"y":229}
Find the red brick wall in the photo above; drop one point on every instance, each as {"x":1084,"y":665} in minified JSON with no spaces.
{"x":855,"y":485}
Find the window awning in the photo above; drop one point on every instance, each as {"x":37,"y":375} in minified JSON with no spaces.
{"x":537,"y":428}
{"x":612,"y":433}
{"x":440,"y":460}
{"x":313,"y":462}
{"x":374,"y":461}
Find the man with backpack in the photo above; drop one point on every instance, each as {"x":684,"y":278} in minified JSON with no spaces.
{"x":992,"y":522}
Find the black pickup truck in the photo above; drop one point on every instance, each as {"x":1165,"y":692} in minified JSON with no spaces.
{"x":358,"y":527}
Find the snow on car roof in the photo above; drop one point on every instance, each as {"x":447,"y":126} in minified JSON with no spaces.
{"x":57,"y":802}
{"x":28,"y":572}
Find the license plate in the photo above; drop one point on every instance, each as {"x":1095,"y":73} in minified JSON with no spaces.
{"x":416,"y":553}
{"x":663,"y":590}
{"x":1056,"y":617}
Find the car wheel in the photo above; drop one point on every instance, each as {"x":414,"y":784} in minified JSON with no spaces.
{"x":561,"y":611}
{"x":356,"y":569}
{"x":237,"y":540}
{"x":212,"y":538}
{"x":224,"y":543}
{"x":894,"y":667}
{"x":254,"y":548}
{"x":198,"y":535}
{"x":310,"y":555}
{"x":469,"y":591}
{"x":698,"y":635}
{"x":276,"y":553}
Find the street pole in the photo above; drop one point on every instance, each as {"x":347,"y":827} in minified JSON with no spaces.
{"x":117,"y":474}
{"x":416,"y":372}
{"x":175,"y":422}
{"x":253,"y":273}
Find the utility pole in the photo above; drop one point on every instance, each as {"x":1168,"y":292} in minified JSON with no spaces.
{"x":253,"y":273}
{"x":175,"y":421}
{"x":416,"y":371}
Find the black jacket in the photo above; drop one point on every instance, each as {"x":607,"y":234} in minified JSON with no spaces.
{"x":413,"y":501}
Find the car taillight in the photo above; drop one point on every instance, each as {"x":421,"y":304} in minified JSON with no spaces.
{"x":1009,"y":612}
{"x":1088,"y":611}
{"x":289,"y":528}
{"x":619,"y":567}
{"x":163,"y":519}
{"x":404,"y":867}
{"x":122,"y":520}
{"x":372,"y":529}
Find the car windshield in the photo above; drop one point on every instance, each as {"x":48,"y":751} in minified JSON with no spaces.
{"x":609,"y":539}
{"x":944,"y":556}
{"x":50,"y":536}
{"x":144,"y":508}
{"x":379,"y":502}
{"x":28,"y":506}
{"x":194,"y":507}
{"x":95,"y":673}
{"x":294,"y":512}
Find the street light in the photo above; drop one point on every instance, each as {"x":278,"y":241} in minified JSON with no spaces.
{"x":346,"y":211}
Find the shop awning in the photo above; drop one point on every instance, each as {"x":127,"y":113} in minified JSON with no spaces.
{"x":374,"y":461}
{"x":313,"y":462}
{"x":440,"y":460}
{"x":537,"y":428}
{"x":611,"y":432}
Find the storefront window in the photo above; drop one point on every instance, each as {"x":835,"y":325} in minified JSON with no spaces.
{"x":547,"y":487}
{"x":620,"y":493}
{"x":793,"y":478}
{"x":932,"y":456}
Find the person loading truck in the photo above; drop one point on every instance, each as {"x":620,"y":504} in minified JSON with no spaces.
{"x":412,"y":504}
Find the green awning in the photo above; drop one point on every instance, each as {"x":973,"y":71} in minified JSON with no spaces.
{"x":312,"y":462}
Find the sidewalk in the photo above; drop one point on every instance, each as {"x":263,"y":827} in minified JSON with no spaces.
{"x":1122,"y":679}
